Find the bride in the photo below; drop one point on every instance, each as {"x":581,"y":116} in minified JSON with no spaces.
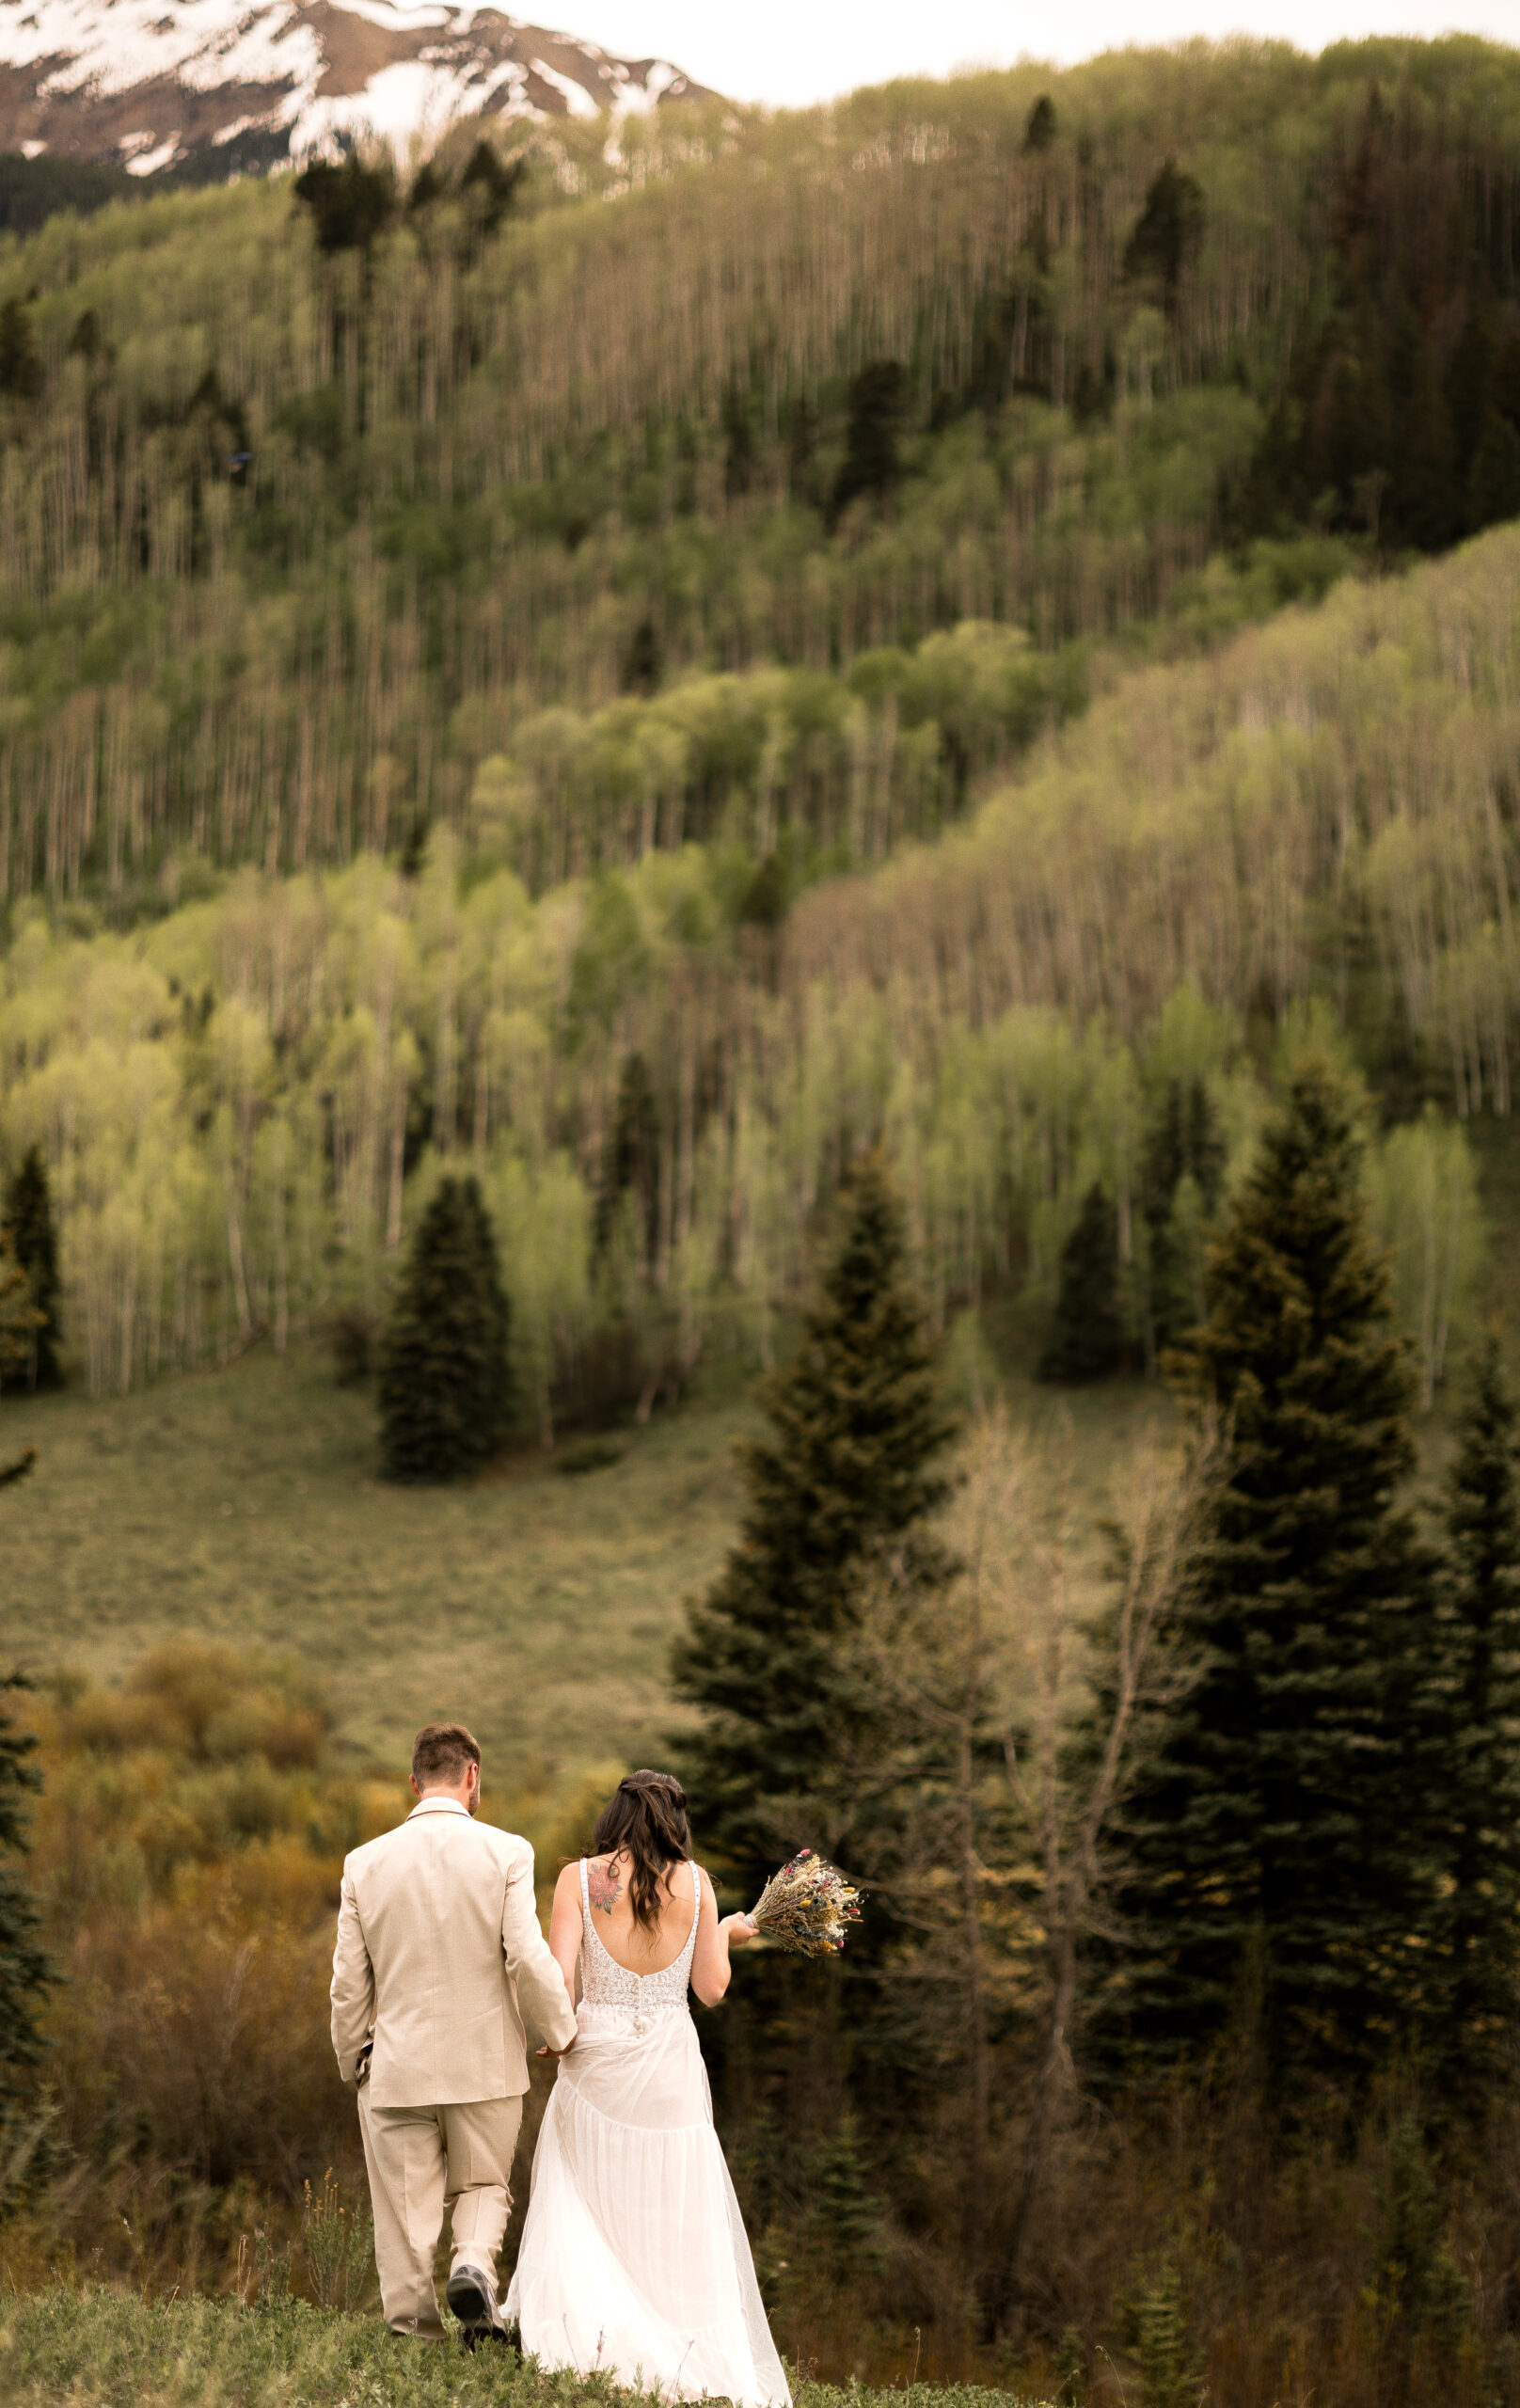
{"x":634,"y":2258}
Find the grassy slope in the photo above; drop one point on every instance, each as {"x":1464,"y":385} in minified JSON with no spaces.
{"x":244,"y":1505}
{"x":97,"y":2351}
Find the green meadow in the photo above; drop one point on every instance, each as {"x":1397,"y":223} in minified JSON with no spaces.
{"x":537,"y":1603}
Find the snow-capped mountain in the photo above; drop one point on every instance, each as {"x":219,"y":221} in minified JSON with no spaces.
{"x":150,"y":83}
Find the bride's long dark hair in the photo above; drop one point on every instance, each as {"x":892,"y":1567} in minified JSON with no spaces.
{"x":645,"y":1818}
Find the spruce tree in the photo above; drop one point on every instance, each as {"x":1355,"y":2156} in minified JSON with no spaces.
{"x":444,"y":1384}
{"x":24,"y":1972}
{"x":1086,"y":1340}
{"x":28,"y":1222}
{"x":1269,"y":1846}
{"x":1168,"y":232}
{"x":1472,"y":1787}
{"x":845,"y":1476}
{"x":1181,"y":1170}
{"x":878,"y":407}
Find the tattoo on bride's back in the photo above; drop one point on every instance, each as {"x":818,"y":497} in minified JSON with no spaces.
{"x":604,"y":1887}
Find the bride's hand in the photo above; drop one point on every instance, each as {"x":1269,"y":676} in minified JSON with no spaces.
{"x":740,"y":1929}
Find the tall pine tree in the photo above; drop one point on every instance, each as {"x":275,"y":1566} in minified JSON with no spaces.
{"x":1269,"y":1849}
{"x":1472,"y":1787}
{"x":844,"y":1476}
{"x":444,"y":1384}
{"x":28,"y":1221}
{"x":1086,"y":1339}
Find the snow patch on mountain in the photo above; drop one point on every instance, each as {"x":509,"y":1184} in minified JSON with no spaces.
{"x":150,"y":82}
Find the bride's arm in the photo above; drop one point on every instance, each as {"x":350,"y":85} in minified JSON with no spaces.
{"x":564,"y":1925}
{"x":710,"y":1962}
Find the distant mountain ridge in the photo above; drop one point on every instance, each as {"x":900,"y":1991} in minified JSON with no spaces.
{"x":153,"y":85}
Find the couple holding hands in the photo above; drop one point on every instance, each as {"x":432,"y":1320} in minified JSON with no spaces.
{"x":634,"y":2258}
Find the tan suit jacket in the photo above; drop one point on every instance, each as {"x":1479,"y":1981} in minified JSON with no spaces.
{"x":438,"y":1942}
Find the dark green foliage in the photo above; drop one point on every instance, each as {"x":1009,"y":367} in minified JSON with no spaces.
{"x":24,"y":1972}
{"x":429,"y":186}
{"x":878,"y":406}
{"x":844,"y":2220}
{"x":1472,"y":1788}
{"x":350,"y":204}
{"x":1493,"y":482}
{"x":1086,"y":1340}
{"x":414,"y":852}
{"x":444,"y":1388}
{"x":1421,"y":2290}
{"x":763,"y":903}
{"x":34,"y":190}
{"x":1468,"y":379}
{"x":1169,"y":233}
{"x":1039,"y":132}
{"x":1400,"y":391}
{"x":28,"y":1221}
{"x":21,"y":365}
{"x":643,"y":660}
{"x":1180,"y":1171}
{"x":740,"y":457}
{"x":632,"y":1167}
{"x":1271,"y":1851}
{"x":490,"y":183}
{"x":843,"y":1474}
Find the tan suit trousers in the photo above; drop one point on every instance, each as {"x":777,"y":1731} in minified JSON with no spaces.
{"x":422,"y":2160}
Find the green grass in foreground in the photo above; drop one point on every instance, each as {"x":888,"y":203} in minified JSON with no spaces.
{"x":95,"y":2348}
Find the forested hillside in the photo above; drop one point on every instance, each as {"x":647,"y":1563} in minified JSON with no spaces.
{"x":324,"y":518}
{"x":659,"y":1080}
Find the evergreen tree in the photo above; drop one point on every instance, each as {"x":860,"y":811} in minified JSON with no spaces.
{"x":1181,"y":1170}
{"x":632,"y":1164}
{"x":490,"y":183}
{"x":1086,"y":1340}
{"x":19,"y":1319}
{"x":350,"y":204}
{"x":1473,"y":1786}
{"x":28,"y":1220}
{"x":1168,"y":232}
{"x":1270,"y":1846}
{"x":21,"y":365}
{"x":24,"y":1972}
{"x":444,"y":1384}
{"x":1039,"y":127}
{"x":877,"y":405}
{"x":844,"y":1476}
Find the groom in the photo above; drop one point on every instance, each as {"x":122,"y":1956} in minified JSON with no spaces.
{"x":437,"y":1943}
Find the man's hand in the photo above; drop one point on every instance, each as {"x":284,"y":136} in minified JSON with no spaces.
{"x":547,"y":2051}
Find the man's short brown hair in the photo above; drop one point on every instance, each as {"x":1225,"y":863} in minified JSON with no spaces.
{"x":441,"y":1751}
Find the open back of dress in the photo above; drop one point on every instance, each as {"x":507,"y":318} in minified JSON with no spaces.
{"x":634,"y":2256}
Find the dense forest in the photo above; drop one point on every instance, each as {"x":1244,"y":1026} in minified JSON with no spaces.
{"x":662,"y":1073}
{"x":310,"y":507}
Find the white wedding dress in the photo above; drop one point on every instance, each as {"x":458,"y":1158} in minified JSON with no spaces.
{"x":634,"y":2258}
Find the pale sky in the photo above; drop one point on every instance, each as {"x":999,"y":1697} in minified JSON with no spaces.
{"x":791,"y":52}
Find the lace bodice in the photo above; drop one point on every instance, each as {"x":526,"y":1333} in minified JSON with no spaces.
{"x":606,"y":1983}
